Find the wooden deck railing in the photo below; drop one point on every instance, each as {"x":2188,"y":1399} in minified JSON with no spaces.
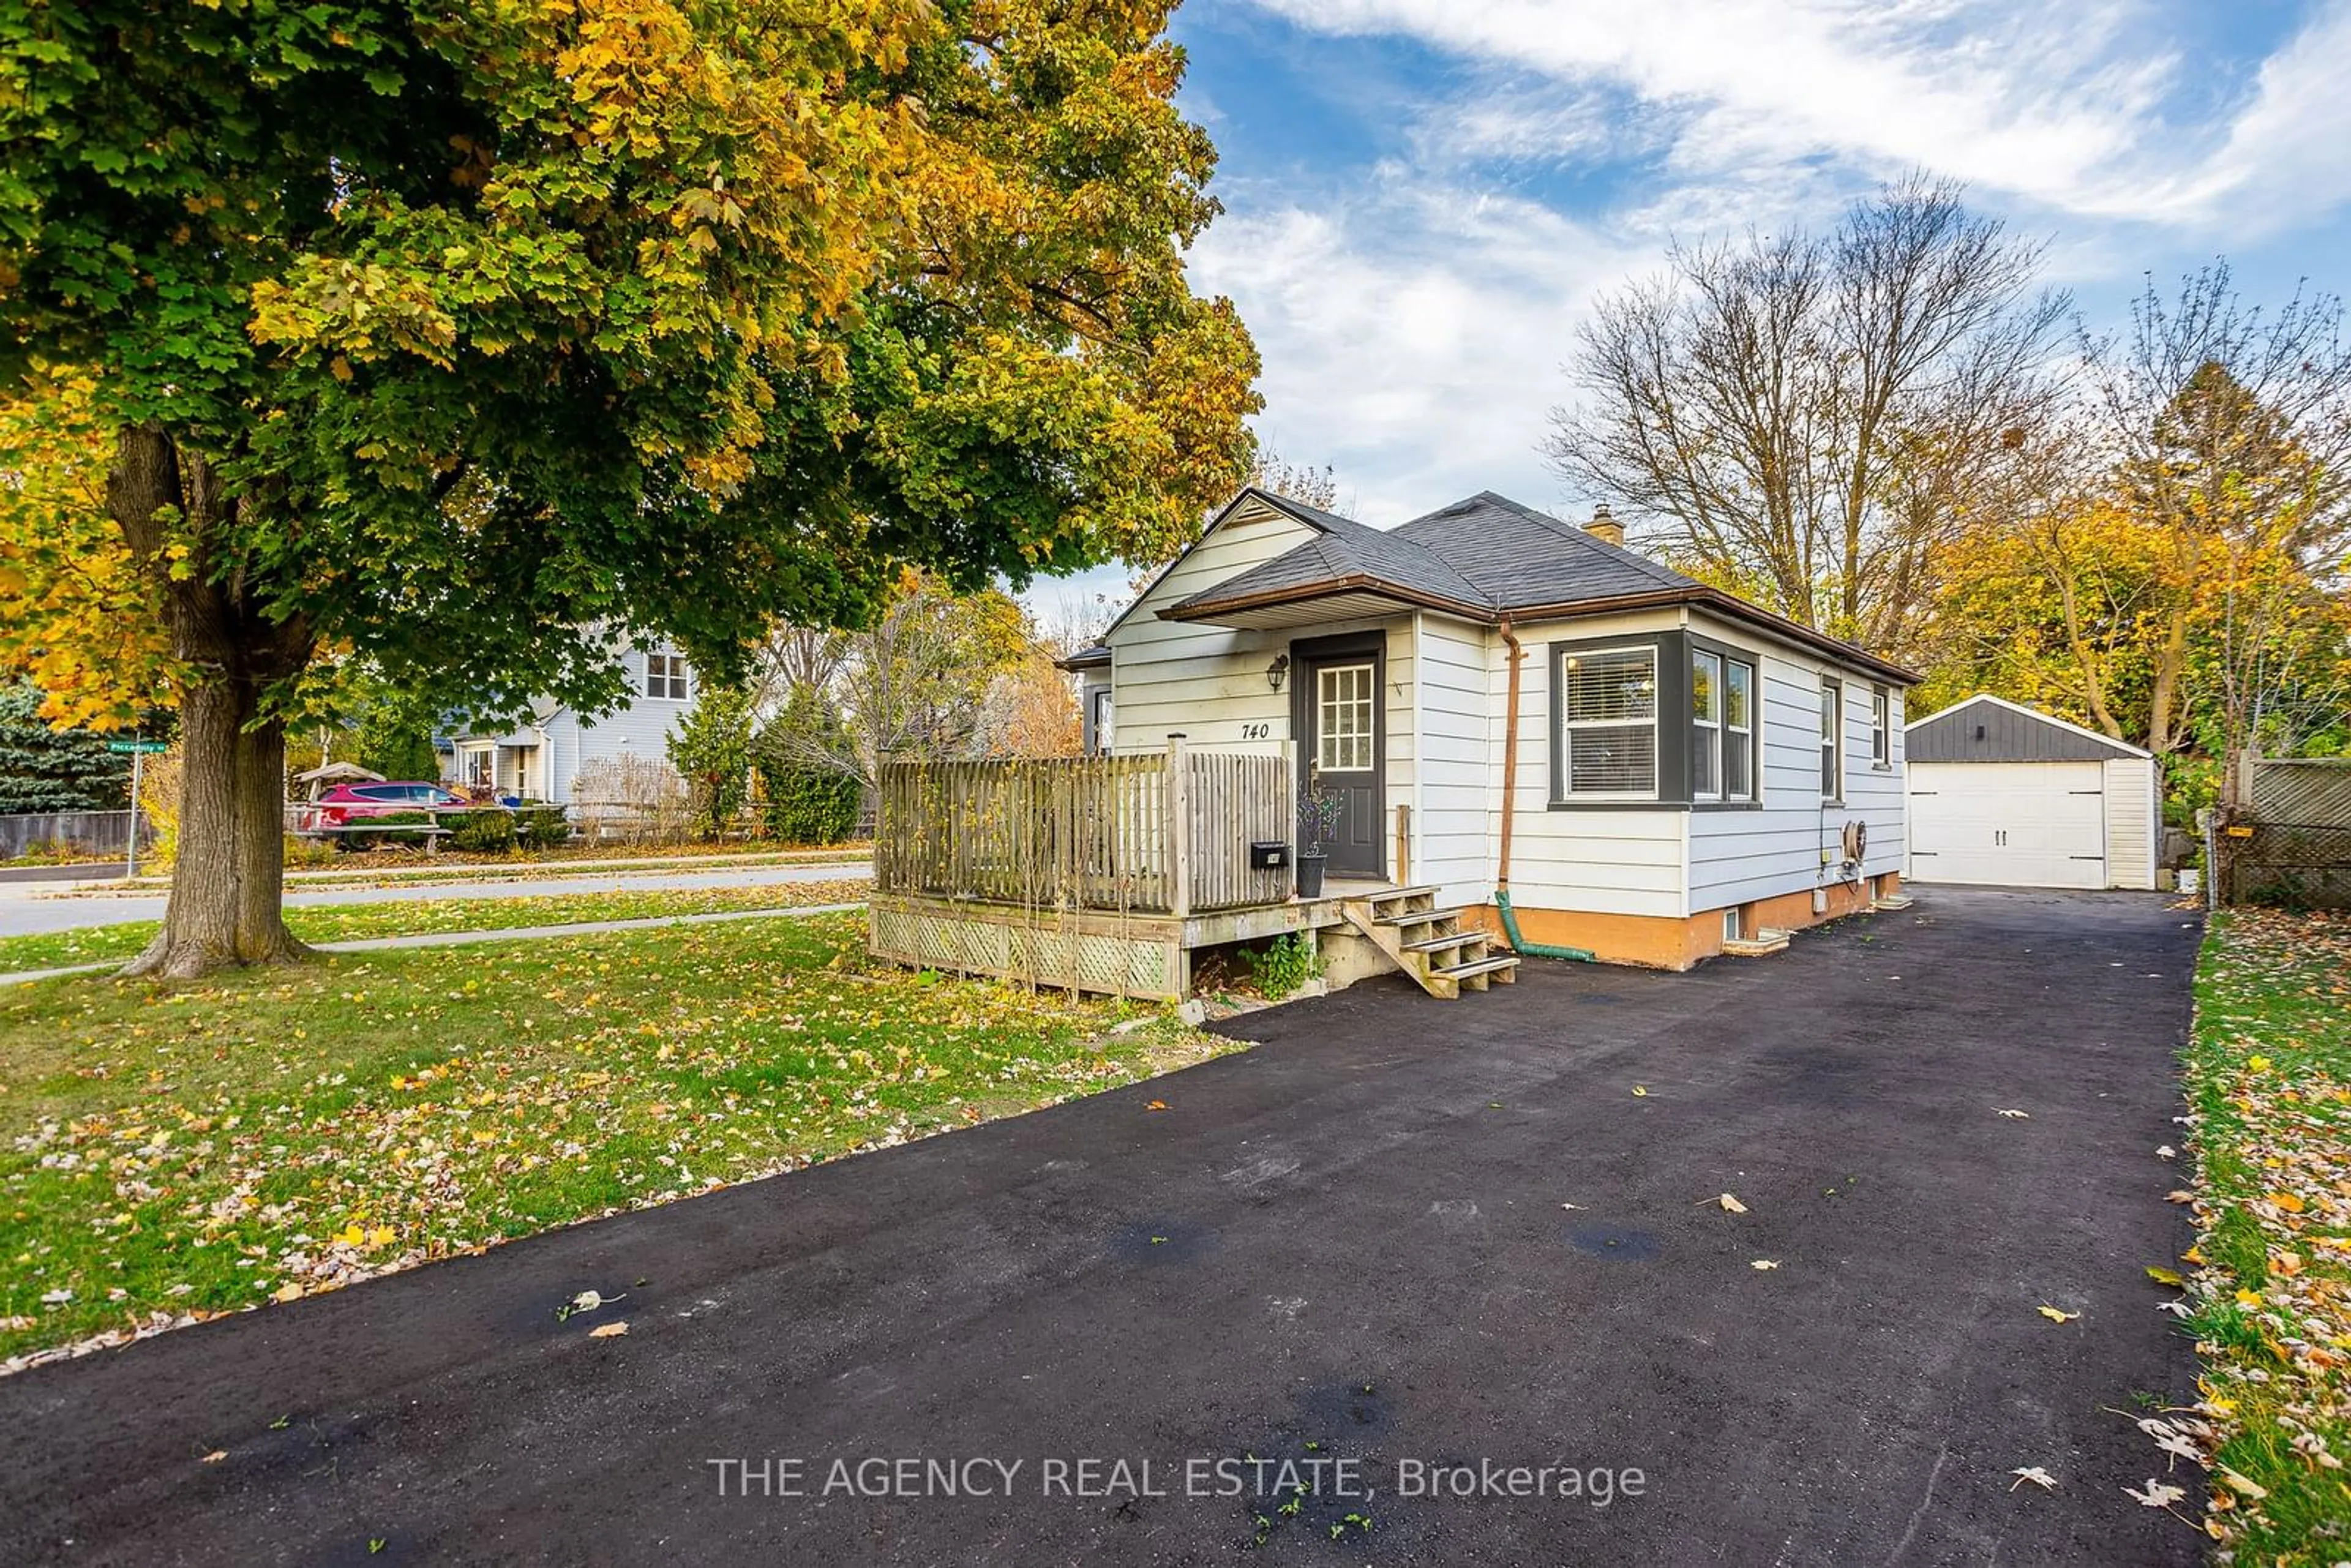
{"x":1165,"y":833}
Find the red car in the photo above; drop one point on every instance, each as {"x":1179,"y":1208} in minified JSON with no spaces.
{"x":348,"y":803}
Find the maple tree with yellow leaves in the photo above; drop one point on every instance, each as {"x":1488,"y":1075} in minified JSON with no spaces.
{"x":459,"y":338}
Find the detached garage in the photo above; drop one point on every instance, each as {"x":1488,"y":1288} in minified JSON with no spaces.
{"x":2002,"y":794}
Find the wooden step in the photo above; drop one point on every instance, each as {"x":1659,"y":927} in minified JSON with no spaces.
{"x":1389,"y":895}
{"x":1476,"y":975}
{"x":1451,"y":939}
{"x":1417,"y":916}
{"x":1500,"y":964}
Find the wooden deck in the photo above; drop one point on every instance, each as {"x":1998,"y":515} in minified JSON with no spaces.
{"x":1099,"y":873}
{"x":1138,"y":954}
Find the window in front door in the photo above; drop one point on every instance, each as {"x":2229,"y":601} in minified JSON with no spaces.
{"x":1343,"y":718}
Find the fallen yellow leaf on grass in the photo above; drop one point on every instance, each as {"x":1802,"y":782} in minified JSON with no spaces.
{"x":291,"y":1291}
{"x":608,"y":1331}
{"x":2252,"y":1489}
{"x":2249,"y":1298}
{"x":2054,"y":1316}
{"x":2288,"y":1202}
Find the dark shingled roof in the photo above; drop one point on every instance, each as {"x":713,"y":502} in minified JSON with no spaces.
{"x":1487,"y":553}
{"x":1484,"y":557}
{"x":1519,"y":558}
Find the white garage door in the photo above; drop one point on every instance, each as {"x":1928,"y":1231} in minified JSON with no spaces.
{"x":2017,"y":824}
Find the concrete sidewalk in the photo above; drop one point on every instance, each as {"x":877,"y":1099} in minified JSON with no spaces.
{"x":468,"y":938}
{"x":23,"y":916}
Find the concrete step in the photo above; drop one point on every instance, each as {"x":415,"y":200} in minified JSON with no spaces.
{"x":1767,"y":941}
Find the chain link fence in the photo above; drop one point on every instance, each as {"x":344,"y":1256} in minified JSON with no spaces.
{"x":2291,"y":845}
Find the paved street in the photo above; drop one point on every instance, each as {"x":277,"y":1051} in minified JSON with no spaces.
{"x":26,"y":908}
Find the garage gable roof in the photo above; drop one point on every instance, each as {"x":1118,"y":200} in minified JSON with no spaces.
{"x":1986,"y":728}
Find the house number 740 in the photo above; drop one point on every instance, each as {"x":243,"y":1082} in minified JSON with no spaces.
{"x":1256,"y":731}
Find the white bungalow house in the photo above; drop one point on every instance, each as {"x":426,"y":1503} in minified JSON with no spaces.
{"x":541,"y":759}
{"x":1682,"y":771}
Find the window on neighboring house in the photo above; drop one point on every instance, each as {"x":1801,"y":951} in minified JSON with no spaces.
{"x":1832,"y":739}
{"x":665,"y":676}
{"x":1881,"y":728}
{"x":1737,"y":731}
{"x":1606,"y":710}
{"x":1103,"y":721}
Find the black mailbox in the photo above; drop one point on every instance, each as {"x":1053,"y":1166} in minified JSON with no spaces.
{"x":1268,"y":856}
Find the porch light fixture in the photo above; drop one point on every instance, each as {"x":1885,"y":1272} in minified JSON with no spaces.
{"x":1278,"y":671}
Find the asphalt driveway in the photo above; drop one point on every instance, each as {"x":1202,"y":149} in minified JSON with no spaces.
{"x":1355,"y":1244}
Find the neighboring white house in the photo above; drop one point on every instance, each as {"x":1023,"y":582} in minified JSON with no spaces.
{"x":541,"y":759}
{"x":1691,"y":770}
{"x":2003,"y":794}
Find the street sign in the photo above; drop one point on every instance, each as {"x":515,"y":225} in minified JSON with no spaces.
{"x":132,"y":748}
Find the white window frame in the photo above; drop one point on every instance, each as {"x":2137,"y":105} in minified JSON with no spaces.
{"x":1881,"y":728}
{"x":1564,"y":746}
{"x":1831,"y":738}
{"x":668,"y":678}
{"x":1368,"y":737}
{"x":1705,"y":734}
{"x":1754,"y":789}
{"x":1105,"y":719}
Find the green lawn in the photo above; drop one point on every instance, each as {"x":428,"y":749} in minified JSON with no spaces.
{"x":171,"y":1153}
{"x":356,"y":922}
{"x":2269,"y":1077}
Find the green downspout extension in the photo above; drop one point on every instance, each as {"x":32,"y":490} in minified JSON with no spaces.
{"x":1526,"y":949}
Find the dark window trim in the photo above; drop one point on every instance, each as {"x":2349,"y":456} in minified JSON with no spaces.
{"x":1671,"y":651}
{"x":1843,"y":762}
{"x":1753,"y":800}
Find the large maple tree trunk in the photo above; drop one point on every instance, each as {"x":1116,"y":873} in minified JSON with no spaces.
{"x":227,"y":904}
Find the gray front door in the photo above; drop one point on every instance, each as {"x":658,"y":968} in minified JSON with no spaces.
{"x":1340,"y":755}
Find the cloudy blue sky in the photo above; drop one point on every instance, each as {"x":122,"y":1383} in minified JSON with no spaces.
{"x":1423,"y":197}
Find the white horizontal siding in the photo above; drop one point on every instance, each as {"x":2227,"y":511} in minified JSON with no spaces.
{"x":1452,"y":821}
{"x":1611,"y":861}
{"x":1208,"y":682}
{"x":1737,"y":856}
{"x":642,"y":728}
{"x":2132,"y":821}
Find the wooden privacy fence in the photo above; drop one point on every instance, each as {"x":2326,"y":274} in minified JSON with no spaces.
{"x":94,"y":833}
{"x":2291,"y":843}
{"x":1168,"y":833}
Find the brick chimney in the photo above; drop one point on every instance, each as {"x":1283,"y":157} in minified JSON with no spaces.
{"x":1605,"y":527}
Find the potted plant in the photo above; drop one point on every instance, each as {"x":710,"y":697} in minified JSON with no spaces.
{"x":1318,"y":818}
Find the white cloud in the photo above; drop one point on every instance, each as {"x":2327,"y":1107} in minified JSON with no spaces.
{"x":2064,"y":107}
{"x":1413,"y":332}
